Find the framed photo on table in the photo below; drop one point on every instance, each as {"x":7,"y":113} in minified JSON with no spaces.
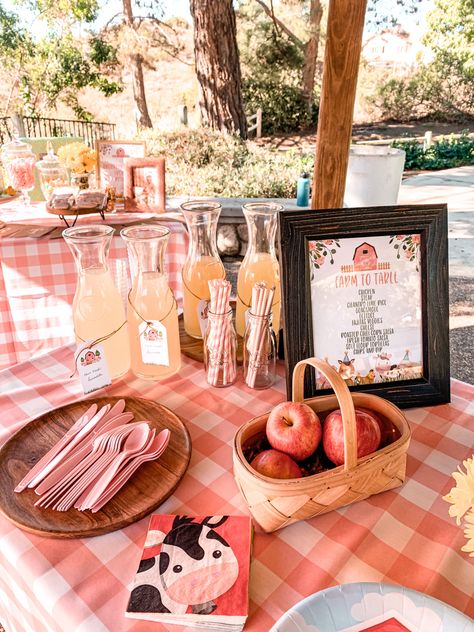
{"x":110,"y":157}
{"x":367,"y":290}
{"x":144,"y":184}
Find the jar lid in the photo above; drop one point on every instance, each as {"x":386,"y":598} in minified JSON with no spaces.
{"x":16,"y":147}
{"x":49,"y":162}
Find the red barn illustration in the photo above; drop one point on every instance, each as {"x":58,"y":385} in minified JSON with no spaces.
{"x":365,"y":257}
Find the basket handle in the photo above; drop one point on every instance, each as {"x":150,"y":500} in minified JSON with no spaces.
{"x":344,"y":399}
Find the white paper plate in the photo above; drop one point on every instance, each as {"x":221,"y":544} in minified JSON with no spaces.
{"x":373,"y":607}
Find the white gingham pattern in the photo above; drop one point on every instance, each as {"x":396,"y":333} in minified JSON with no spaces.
{"x":403,"y":536}
{"x":38,"y":280}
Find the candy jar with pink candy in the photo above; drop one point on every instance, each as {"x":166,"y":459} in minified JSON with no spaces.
{"x":19,"y":162}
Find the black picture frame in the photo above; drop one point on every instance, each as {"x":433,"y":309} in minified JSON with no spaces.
{"x":297,"y":228}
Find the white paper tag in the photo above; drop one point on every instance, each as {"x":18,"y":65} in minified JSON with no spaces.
{"x":202,"y":309}
{"x":154,"y":343}
{"x":92,"y":368}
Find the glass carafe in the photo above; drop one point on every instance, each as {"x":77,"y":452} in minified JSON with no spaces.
{"x":19,"y":162}
{"x":202,"y":263}
{"x":97,"y":310}
{"x":260,"y":262}
{"x":151,"y":310}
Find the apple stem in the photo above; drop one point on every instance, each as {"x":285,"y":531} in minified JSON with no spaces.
{"x":287,"y":421}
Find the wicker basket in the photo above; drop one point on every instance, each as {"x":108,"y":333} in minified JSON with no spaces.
{"x":275,"y":503}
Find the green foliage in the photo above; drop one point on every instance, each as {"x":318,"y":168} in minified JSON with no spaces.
{"x":57,"y":66}
{"x":208,"y":163}
{"x":444,"y":88}
{"x":408,"y":97}
{"x":272,"y":66}
{"x":445,"y":153}
{"x":284,"y":109}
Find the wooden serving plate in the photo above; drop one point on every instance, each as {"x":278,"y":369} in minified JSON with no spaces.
{"x":149,"y":486}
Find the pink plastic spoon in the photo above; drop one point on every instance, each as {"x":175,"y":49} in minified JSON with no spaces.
{"x":113,"y":447}
{"x":96,"y":449}
{"x":133,"y":445}
{"x":154,"y":451}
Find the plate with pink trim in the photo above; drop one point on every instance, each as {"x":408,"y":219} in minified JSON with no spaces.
{"x":372,"y":607}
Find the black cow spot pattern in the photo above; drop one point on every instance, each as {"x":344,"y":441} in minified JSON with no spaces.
{"x":145,"y":565}
{"x":146,"y":598}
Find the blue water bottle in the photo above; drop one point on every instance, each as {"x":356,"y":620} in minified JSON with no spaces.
{"x":302,"y":190}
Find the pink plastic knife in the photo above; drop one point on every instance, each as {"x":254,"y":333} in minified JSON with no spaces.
{"x":57,"y":447}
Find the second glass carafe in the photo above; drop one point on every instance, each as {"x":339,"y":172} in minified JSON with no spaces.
{"x":202,"y":263}
{"x":151,"y":310}
{"x":260,"y":262}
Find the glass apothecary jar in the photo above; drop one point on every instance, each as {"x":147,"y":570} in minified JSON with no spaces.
{"x":19,"y":162}
{"x":52,"y":174}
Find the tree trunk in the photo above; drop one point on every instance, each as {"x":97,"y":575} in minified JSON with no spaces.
{"x":136,"y":67}
{"x":141,"y":114}
{"x":311,"y":53}
{"x":217,"y":66}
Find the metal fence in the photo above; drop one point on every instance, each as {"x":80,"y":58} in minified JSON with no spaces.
{"x":34,"y":127}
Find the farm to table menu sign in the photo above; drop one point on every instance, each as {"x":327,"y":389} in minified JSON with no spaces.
{"x":366,"y":307}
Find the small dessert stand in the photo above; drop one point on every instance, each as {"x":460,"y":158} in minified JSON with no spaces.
{"x":75,"y":212}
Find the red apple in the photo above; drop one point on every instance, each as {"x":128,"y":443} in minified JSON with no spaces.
{"x":367,"y":429}
{"x":275,"y":464}
{"x":388,"y":431}
{"x":294,"y":428}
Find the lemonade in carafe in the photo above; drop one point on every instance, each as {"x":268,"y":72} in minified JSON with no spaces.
{"x":152,"y":314}
{"x":260,"y":262}
{"x":202,"y":263}
{"x":97,"y":310}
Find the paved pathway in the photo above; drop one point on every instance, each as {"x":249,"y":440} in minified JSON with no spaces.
{"x":456,"y":187}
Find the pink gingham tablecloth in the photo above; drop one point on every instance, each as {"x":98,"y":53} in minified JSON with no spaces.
{"x":403,"y":536}
{"x":38,"y":280}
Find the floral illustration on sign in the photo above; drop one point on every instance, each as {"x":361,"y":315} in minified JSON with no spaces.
{"x":407,"y":246}
{"x":461,"y":498}
{"x":319,"y":251}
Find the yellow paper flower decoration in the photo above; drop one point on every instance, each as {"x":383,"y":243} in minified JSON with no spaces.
{"x":77,"y":157}
{"x":461,"y":498}
{"x":469,"y":533}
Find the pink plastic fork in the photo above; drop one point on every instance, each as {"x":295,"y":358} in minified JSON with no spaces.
{"x":154,"y":451}
{"x":57,"y":493}
{"x":79,"y":453}
{"x":133,"y":445}
{"x":96,"y":448}
{"x":113,"y":446}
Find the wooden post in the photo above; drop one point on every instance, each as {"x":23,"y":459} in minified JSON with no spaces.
{"x":341,"y":66}
{"x":19,"y":124}
{"x":183,"y":114}
{"x":259,"y":123}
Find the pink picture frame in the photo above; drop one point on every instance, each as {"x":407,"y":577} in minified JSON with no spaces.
{"x":144,"y":184}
